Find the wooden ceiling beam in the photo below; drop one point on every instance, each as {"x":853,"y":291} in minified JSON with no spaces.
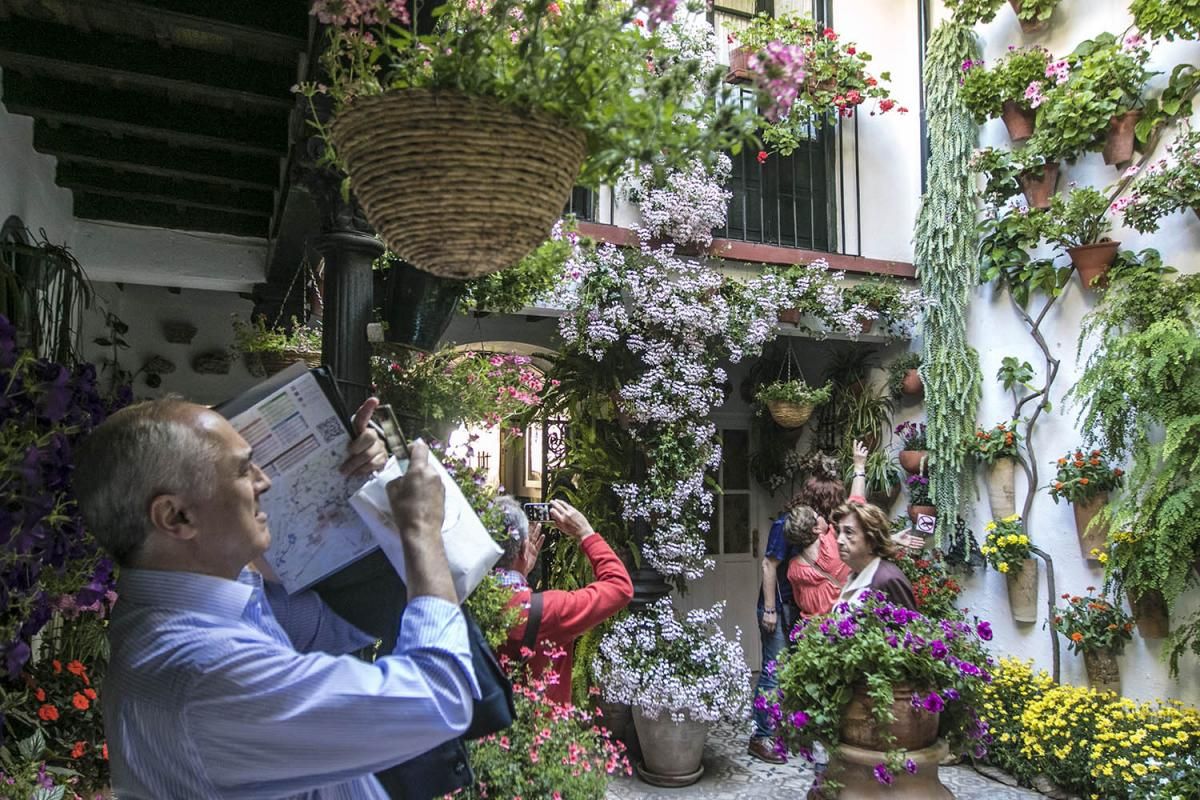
{"x":158,"y":215}
{"x":100,"y":180}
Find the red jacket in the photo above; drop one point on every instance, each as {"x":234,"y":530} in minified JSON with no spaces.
{"x":568,"y":615}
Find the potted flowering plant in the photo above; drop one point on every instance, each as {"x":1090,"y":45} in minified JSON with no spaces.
{"x":1008,"y":549}
{"x":1098,"y":629}
{"x":1084,"y":481}
{"x":791,"y":402}
{"x":267,"y":350}
{"x":683,"y":207}
{"x":887,"y":680}
{"x":934,"y":588}
{"x":1092,"y":99}
{"x":520,"y":99}
{"x":1164,"y":188}
{"x":680,"y":676}
{"x":1005,"y":175}
{"x":433,"y":393}
{"x":835,"y":80}
{"x":1079,"y":224}
{"x":999,"y":448}
{"x":912,"y":445}
{"x":920,"y":503}
{"x":1002,"y":90}
{"x":904,"y":376}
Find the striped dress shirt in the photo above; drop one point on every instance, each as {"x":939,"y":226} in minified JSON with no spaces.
{"x":232,"y":689}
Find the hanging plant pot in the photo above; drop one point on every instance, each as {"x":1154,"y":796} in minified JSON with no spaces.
{"x":791,"y":315}
{"x":1018,"y":120}
{"x":1027,"y":26}
{"x":924,"y":519}
{"x":1092,"y":261}
{"x":268,"y":362}
{"x":1023,"y":590}
{"x":739,"y":66}
{"x":1150,"y":611}
{"x":1091,"y":537}
{"x":1038,"y":187}
{"x":884,"y":500}
{"x":671,"y":751}
{"x":1001,"y":487}
{"x":1104,"y":674}
{"x":910,"y":460}
{"x":1118,"y":144}
{"x":418,"y":306}
{"x":789,"y":415}
{"x":456,"y":185}
{"x":866,"y":324}
{"x":912,"y":385}
{"x":914,"y":728}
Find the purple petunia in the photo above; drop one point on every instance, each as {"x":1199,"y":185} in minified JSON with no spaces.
{"x":883,"y":775}
{"x":933,"y":703}
{"x":984,"y":629}
{"x":938,"y":649}
{"x":910,"y":766}
{"x":799,"y":719}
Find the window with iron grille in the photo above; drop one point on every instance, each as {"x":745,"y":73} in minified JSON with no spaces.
{"x":582,"y":204}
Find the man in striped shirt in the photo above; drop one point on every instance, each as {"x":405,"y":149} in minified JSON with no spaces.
{"x":222,"y":686}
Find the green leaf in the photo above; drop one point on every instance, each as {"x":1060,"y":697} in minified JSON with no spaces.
{"x":32,"y":748}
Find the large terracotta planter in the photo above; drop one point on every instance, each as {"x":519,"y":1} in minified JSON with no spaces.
{"x":1150,"y":611}
{"x":1039,"y":187}
{"x":1103,"y":672}
{"x":1118,"y":144}
{"x":1091,"y":537}
{"x":910,"y":460}
{"x":671,"y":751}
{"x":1019,"y":121}
{"x":912,"y":385}
{"x":1027,"y":26}
{"x":739,"y":66}
{"x":1002,"y":488}
{"x":1092,"y":261}
{"x":914,"y":728}
{"x":1022,"y":583}
{"x":854,"y":768}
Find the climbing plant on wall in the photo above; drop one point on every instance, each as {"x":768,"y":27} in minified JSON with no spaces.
{"x":945,"y":252}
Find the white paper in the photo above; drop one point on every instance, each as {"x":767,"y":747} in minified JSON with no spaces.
{"x":469,"y":548}
{"x":300,"y":442}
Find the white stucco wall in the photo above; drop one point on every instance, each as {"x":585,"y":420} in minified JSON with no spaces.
{"x":996,"y":331}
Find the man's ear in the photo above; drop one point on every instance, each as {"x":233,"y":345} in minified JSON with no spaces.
{"x":169,"y":517}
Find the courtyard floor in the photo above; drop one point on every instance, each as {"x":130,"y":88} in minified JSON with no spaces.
{"x":731,"y":774}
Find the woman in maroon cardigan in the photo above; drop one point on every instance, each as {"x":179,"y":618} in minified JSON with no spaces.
{"x":865,"y":544}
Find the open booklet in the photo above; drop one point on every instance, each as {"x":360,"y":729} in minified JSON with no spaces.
{"x":299,"y":431}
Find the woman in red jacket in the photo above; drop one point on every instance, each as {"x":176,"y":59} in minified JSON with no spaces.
{"x":565,"y":616}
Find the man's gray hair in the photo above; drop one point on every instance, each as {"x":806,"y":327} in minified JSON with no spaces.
{"x":137,"y":454}
{"x":516,"y":530}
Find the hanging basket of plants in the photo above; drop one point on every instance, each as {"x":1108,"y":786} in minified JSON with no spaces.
{"x":792,"y":402}
{"x":457,"y":185}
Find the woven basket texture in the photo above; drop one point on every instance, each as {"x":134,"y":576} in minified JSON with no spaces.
{"x":458,"y":186}
{"x":277,"y":361}
{"x":789,"y":415}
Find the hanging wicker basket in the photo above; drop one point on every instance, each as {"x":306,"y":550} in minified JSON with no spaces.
{"x":456,"y":185}
{"x":267,"y":363}
{"x":789,"y":415}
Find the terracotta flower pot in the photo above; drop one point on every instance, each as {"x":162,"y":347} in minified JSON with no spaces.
{"x":866,"y":324}
{"x":739,"y":65}
{"x":912,"y":385}
{"x":1001,"y":487}
{"x":1092,"y":261}
{"x":1091,"y":537}
{"x":910,"y":460}
{"x":854,"y":769}
{"x":914,"y":728}
{"x":1104,"y":674}
{"x":1019,"y":121}
{"x":1039,"y":188}
{"x":1150,"y":610}
{"x":1027,"y":26}
{"x":791,"y":315}
{"x":1022,"y":583}
{"x":1118,"y":144}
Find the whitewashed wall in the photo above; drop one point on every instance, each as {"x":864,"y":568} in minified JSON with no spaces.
{"x":996,"y":331}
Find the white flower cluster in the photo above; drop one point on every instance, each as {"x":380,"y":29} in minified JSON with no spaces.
{"x":686,"y":667}
{"x":688,"y":207}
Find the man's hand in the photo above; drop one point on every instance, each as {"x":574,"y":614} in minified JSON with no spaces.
{"x":418,"y":501}
{"x":570,"y":520}
{"x":860,"y":456}
{"x":366,"y":452}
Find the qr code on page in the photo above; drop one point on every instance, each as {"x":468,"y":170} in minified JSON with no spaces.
{"x":330,"y":429}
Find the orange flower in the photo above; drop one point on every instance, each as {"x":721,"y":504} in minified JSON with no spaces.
{"x":76,"y":668}
{"x":104,"y":751}
{"x":78,"y":750}
{"x":1079,"y":463}
{"x":1058,"y":485}
{"x":1062,"y":462}
{"x":1083,"y":481}
{"x":80,"y":702}
{"x":48,"y":713}
{"x":1076,"y":637}
{"x":1008,"y":438}
{"x":90,"y":693}
{"x":1128,"y":626}
{"x":57,"y":665}
{"x":1095,"y":462}
{"x":40,"y":694}
{"x":1095,"y":452}
{"x":1118,"y":472}
{"x":1112,"y":627}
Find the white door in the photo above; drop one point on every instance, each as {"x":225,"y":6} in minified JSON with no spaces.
{"x":733,"y":543}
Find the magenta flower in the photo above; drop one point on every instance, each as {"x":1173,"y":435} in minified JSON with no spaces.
{"x":883,"y":775}
{"x":984,"y":629}
{"x":799,"y":719}
{"x":933,"y":703}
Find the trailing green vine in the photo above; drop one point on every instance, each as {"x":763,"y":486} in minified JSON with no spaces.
{"x":946,"y":255}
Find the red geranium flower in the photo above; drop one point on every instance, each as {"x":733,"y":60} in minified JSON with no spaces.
{"x":762,"y":156}
{"x":48,"y":713}
{"x":78,"y":750}
{"x":80,"y":702}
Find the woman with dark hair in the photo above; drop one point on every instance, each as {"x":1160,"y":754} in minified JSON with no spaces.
{"x":865,"y":543}
{"x":817,"y":573}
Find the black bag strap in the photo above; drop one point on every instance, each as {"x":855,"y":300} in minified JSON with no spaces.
{"x":533,"y":624}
